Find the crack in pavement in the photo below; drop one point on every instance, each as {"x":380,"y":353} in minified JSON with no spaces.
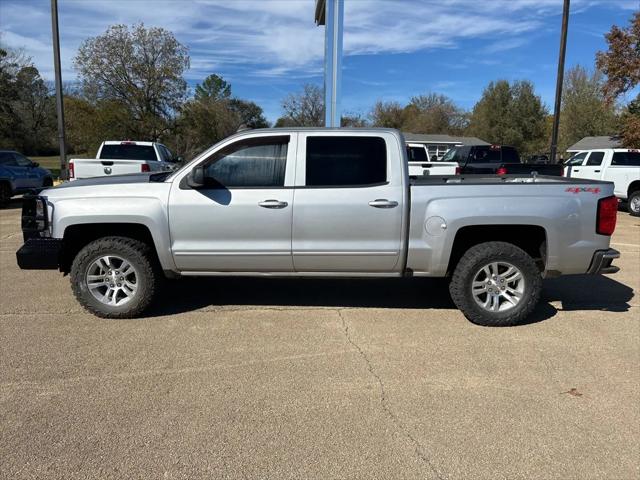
{"x":384,"y":402}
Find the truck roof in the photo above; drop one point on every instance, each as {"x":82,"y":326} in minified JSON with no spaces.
{"x":136,"y":142}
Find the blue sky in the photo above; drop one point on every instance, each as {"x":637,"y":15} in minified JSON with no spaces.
{"x":394,"y":49}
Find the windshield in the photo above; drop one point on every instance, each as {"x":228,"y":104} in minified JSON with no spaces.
{"x":128,"y":151}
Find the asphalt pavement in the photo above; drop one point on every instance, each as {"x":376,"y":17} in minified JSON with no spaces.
{"x":282,"y":378}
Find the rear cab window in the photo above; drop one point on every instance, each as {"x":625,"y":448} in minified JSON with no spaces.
{"x":340,"y":161}
{"x":417,"y":154}
{"x":488,"y":154}
{"x":626,"y":159}
{"x":128,"y":151}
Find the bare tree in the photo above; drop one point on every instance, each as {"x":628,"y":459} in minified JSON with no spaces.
{"x":303,"y":109}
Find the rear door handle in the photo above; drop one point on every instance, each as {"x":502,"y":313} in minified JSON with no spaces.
{"x":576,"y":170}
{"x":597,"y":171}
{"x":272,"y":204}
{"x":383,"y":203}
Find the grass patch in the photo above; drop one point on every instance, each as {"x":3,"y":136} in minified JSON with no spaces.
{"x":50,"y":163}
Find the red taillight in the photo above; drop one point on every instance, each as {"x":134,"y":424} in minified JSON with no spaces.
{"x":145,"y":167}
{"x":501,"y":171}
{"x":458,"y":170}
{"x":72,"y":172}
{"x":607,"y":215}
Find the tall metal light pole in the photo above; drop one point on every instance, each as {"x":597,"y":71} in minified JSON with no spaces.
{"x":58,"y":74}
{"x":330,"y":13}
{"x":559,"y":81}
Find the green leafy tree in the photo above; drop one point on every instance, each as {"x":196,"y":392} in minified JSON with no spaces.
{"x":433,"y":113}
{"x":585,"y":111}
{"x":142,"y":68}
{"x":214,"y":88}
{"x":510,"y":115}
{"x":212,"y":115}
{"x":27,"y":117}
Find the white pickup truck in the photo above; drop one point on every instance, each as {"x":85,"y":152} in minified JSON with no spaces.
{"x":121,"y":157}
{"x":618,"y":165}
{"x":420,"y":165}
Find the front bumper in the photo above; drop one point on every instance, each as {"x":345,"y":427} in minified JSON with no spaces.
{"x":40,"y":254}
{"x":601,"y":262}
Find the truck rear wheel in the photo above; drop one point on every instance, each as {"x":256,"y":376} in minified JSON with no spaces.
{"x":114,"y":277}
{"x":496,"y":284}
{"x":633,"y":204}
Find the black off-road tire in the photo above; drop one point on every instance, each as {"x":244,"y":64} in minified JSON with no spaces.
{"x":5,"y":194}
{"x":472,"y":261}
{"x":634,"y":199}
{"x":138,"y":254}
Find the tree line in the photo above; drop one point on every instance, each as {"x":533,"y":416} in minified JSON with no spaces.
{"x":132,"y":86}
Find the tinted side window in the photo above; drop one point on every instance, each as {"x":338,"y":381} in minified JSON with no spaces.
{"x":595,"y":158}
{"x":510,"y":155}
{"x":417,"y":154}
{"x":486,"y":155}
{"x":6,"y":158}
{"x":629,"y":159}
{"x":345,"y":161}
{"x":256,"y":162}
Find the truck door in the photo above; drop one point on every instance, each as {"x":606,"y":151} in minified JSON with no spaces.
{"x":592,"y":168}
{"x":241,"y":219}
{"x":348,"y":203}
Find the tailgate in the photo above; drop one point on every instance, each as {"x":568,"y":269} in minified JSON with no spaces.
{"x":417,"y":169}
{"x":87,"y":168}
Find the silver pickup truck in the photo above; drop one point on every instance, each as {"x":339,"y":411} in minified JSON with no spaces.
{"x":319,"y":202}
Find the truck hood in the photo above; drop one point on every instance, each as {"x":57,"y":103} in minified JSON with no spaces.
{"x":115,"y":180}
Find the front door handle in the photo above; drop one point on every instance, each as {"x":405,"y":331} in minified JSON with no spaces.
{"x":272,"y":204}
{"x":597,"y":171}
{"x":383,"y":203}
{"x":576,"y":170}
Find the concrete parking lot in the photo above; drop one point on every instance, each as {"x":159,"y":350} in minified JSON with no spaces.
{"x":252,"y":378}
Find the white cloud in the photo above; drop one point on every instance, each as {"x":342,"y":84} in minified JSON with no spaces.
{"x":278,"y":38}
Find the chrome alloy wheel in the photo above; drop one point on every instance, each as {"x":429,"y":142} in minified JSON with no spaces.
{"x":634,"y":205}
{"x":498,"y":286}
{"x":112,"y":280}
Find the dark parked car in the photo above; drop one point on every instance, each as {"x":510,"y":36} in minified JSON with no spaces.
{"x":18,"y":175}
{"x":488,"y":159}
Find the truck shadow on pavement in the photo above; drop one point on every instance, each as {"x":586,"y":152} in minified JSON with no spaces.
{"x":580,"y":292}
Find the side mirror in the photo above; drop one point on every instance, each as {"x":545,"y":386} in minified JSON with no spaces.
{"x":196,"y":178}
{"x":434,"y":158}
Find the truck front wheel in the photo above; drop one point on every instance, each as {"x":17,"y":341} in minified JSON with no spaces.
{"x":496,"y":284}
{"x":634,"y":204}
{"x":114,"y":277}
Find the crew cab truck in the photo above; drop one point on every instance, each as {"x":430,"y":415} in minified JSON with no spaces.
{"x":319,"y":203}
{"x":122,"y":157}
{"x":618,"y":165}
{"x":495,"y":159}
